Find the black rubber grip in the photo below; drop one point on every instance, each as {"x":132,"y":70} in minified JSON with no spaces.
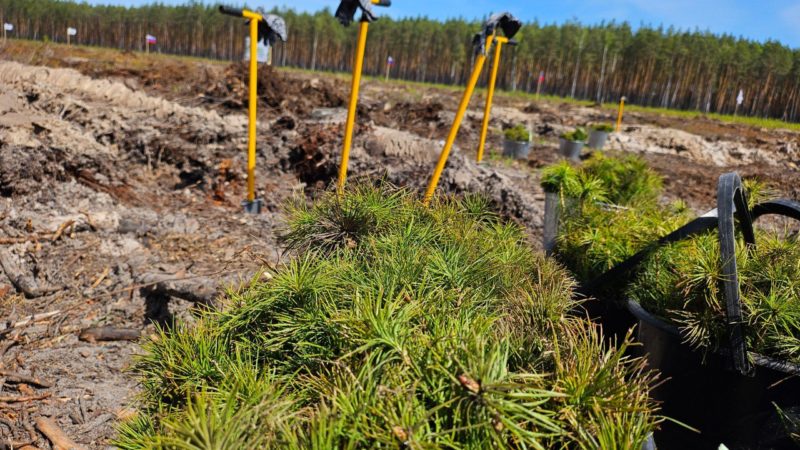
{"x":385,"y":3}
{"x":513,"y":42}
{"x":236,"y":12}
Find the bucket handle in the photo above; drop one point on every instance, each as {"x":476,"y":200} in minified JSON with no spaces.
{"x":732,"y":203}
{"x":732,"y":200}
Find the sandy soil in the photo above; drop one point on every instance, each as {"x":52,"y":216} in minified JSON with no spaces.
{"x":121,"y":178}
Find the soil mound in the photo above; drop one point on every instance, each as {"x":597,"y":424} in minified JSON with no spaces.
{"x":276,"y":90}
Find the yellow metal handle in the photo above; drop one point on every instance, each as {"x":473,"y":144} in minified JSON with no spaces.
{"x":252,"y":107}
{"x":358,"y":65}
{"x":490,"y":96}
{"x":462,"y":109}
{"x":252,"y":15}
{"x":252,"y":87}
{"x":620,"y":112}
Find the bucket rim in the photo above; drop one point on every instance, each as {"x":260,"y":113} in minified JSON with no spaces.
{"x":758,"y":359}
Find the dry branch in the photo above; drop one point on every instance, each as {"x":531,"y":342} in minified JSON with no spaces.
{"x":22,"y":282}
{"x":59,"y":439}
{"x":37,"y":236}
{"x":101,"y":277}
{"x":11,"y":445}
{"x":98,"y":334}
{"x":23,"y":398}
{"x":61,"y":229}
{"x":204,"y":290}
{"x":13,"y":377}
{"x":29,"y":320}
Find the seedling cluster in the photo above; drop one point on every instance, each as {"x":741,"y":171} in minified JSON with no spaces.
{"x":398,"y":325}
{"x":577,"y":135}
{"x":518,"y":133}
{"x":432,"y":323}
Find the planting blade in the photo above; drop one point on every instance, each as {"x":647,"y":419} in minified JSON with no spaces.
{"x":506,"y":22}
{"x":347,"y":9}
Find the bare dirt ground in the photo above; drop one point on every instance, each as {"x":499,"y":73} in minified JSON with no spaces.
{"x":121,"y":177}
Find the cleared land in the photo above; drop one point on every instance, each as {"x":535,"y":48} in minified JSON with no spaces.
{"x":121,"y":177}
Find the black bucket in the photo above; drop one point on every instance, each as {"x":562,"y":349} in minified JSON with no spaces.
{"x":702,"y":392}
{"x":731,"y":396}
{"x":614,"y":318}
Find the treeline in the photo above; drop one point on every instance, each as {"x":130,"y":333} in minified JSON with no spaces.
{"x":650,"y":66}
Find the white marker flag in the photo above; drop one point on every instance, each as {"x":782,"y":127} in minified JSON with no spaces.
{"x":72,"y":31}
{"x":8,"y":27}
{"x":740,"y":98}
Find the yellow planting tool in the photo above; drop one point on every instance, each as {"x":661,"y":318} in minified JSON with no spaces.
{"x":482,"y":43}
{"x":346,"y":13}
{"x":499,"y":41}
{"x":620,"y":112}
{"x":269,"y":28}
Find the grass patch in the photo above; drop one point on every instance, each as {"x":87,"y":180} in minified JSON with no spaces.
{"x":757,"y":122}
{"x":395,"y":326}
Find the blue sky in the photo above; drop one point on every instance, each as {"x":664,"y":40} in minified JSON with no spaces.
{"x":755,"y":19}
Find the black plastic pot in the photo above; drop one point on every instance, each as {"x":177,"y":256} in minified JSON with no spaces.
{"x":731,"y":396}
{"x":598,"y":139}
{"x":701,"y":391}
{"x":516,"y":149}
{"x":571,"y":149}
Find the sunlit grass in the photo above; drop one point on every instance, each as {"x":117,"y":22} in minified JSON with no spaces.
{"x":757,"y":122}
